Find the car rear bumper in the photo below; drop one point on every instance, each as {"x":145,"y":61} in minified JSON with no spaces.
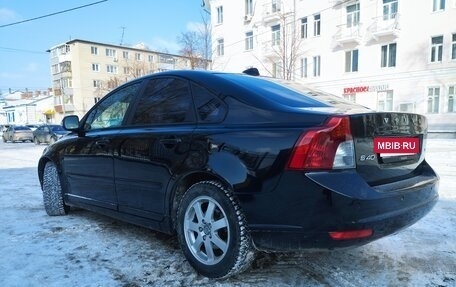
{"x":343,"y":202}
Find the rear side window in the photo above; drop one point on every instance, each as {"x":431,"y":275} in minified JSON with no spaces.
{"x":209,"y":107}
{"x":164,"y":101}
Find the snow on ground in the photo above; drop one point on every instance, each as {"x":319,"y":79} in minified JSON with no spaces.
{"x":85,"y":249}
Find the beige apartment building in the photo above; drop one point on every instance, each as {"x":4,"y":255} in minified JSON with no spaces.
{"x":388,"y":55}
{"x":84,"y":71}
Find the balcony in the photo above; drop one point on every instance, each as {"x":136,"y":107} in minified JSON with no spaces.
{"x":348,"y":34}
{"x":272,"y":11}
{"x":270,"y":51}
{"x":384,"y":26}
{"x":61,"y":109}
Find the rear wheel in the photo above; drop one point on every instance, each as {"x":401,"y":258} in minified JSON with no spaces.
{"x":212,"y":231}
{"x":52,"y":191}
{"x":36,"y":141}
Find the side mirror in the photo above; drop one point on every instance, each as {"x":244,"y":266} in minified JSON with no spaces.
{"x":71,"y":123}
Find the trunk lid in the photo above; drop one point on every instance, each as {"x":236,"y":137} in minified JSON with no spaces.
{"x":389,"y":146}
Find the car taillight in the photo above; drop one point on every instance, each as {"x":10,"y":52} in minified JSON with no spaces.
{"x":327,"y":147}
{"x":351,"y":234}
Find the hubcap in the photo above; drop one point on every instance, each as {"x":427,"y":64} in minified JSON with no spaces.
{"x":206,"y":230}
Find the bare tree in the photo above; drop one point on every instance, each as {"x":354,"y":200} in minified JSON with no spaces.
{"x":287,"y":52}
{"x":196,"y":45}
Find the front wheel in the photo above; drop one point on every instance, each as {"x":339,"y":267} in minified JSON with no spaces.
{"x":52,"y":191}
{"x":212,"y":231}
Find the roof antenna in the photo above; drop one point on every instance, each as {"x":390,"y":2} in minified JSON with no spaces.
{"x":252,"y":72}
{"x":123,"y":32}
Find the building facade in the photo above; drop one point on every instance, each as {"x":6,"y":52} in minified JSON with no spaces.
{"x":84,"y":71}
{"x":388,"y":55}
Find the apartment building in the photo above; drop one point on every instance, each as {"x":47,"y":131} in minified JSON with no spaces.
{"x":84,"y":71}
{"x":388,"y":55}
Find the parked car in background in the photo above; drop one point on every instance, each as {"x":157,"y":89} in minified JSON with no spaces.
{"x":233,"y":163}
{"x":33,"y":127}
{"x":48,"y":134}
{"x":17,"y":133}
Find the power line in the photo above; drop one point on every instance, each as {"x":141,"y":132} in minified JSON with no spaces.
{"x":21,"y":50}
{"x":52,"y":14}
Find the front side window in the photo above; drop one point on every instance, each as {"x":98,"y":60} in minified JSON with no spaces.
{"x":220,"y":15}
{"x":164,"y":101}
{"x":353,"y":15}
{"x":351,"y":61}
{"x":436,"y":49}
{"x":433,"y":100}
{"x":249,"y":40}
{"x":388,"y":55}
{"x":111,"y":111}
{"x":220,"y":47}
{"x":275,"y":35}
{"x":317,"y":25}
{"x":304,"y":28}
{"x":389,"y":9}
{"x":438,"y":5}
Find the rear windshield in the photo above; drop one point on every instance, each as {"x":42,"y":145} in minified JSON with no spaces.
{"x":287,"y":93}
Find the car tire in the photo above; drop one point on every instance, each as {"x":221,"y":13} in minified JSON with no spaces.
{"x":217,"y":252}
{"x":52,"y":191}
{"x":36,"y":141}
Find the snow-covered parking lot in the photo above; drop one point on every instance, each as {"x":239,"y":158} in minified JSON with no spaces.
{"x":85,"y":249}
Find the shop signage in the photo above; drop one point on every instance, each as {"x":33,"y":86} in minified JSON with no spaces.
{"x":365,"y":89}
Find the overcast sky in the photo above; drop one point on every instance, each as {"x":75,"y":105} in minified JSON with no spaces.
{"x":24,"y":62}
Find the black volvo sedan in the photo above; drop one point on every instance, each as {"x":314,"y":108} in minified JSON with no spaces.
{"x":233,"y":163}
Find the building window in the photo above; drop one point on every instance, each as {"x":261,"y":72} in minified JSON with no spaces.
{"x":451,"y":99}
{"x":388,"y":55}
{"x":436,"y":49}
{"x":111,"y":69}
{"x":350,"y":97}
{"x":385,"y":101}
{"x":407,"y":107}
{"x":96,"y":99}
{"x":220,"y":15}
{"x":275,"y":6}
{"x":110,"y":52}
{"x":126,"y":70}
{"x":275,"y":35}
{"x":304,"y":28}
{"x":303,"y":67}
{"x":453,"y":47}
{"x":353,"y":15}
{"x":220,"y":47}
{"x":151,"y":58}
{"x":249,"y":7}
{"x":277,"y":70}
{"x":94,"y":50}
{"x":95,"y":67}
{"x":433,"y":100}
{"x":317,"y":25}
{"x":125,"y":54}
{"x":96,"y":83}
{"x":138,"y":56}
{"x":389,"y":9}
{"x":438,"y":5}
{"x":249,"y":40}
{"x":316,"y":66}
{"x":351,"y":61}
